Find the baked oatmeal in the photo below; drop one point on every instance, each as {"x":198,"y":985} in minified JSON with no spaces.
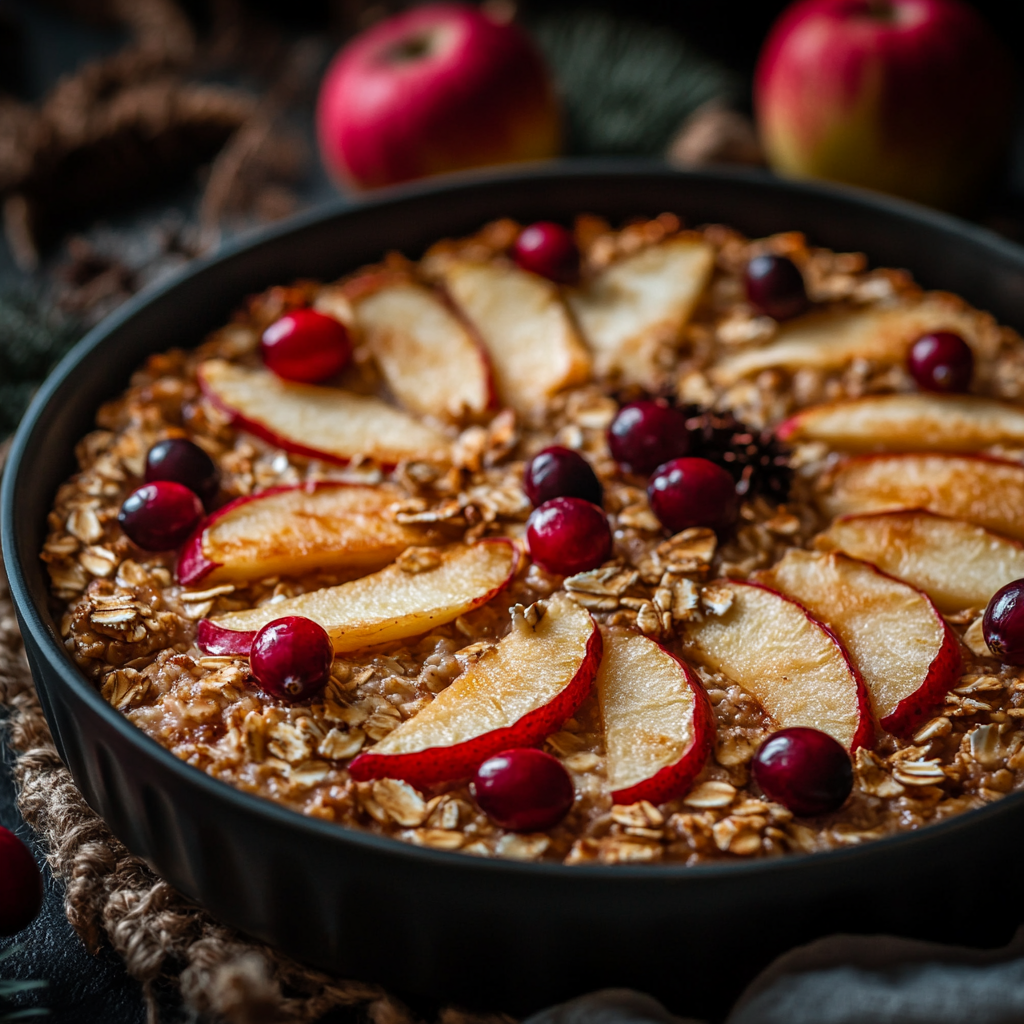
{"x":835,"y":582}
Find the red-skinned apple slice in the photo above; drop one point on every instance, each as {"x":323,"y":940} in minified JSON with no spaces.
{"x":659,"y":729}
{"x":534,"y":347}
{"x":294,"y":530}
{"x":957,"y":564}
{"x":906,"y":653}
{"x":629,"y":310}
{"x":985,"y":491}
{"x":518,"y":692}
{"x":907,"y":423}
{"x":319,"y":422}
{"x":431,"y":587}
{"x":794,"y":665}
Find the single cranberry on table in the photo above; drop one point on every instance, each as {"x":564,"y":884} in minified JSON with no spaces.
{"x":523,"y":790}
{"x":160,"y":515}
{"x":548,"y":249}
{"x":184,"y":462}
{"x":21,"y":885}
{"x":693,"y":492}
{"x":1003,"y":624}
{"x":941,"y":361}
{"x":558,"y":472}
{"x":291,"y":658}
{"x":306,"y":346}
{"x":646,"y":434}
{"x":775,"y":286}
{"x":568,"y":535}
{"x":803,"y":769}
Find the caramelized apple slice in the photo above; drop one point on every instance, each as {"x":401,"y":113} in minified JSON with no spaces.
{"x":831,"y":338}
{"x":518,"y":692}
{"x":293,"y":530}
{"x":957,"y":564}
{"x":659,"y":728}
{"x":631,"y":309}
{"x":426,"y":588}
{"x":985,"y":491}
{"x":796,"y":667}
{"x":531,"y":340}
{"x":903,"y":648}
{"x":322,"y":423}
{"x":907,"y":423}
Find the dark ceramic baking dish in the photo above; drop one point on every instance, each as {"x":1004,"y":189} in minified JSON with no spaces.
{"x":493,"y":933}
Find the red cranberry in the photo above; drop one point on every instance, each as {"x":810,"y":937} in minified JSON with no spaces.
{"x":523,"y":790}
{"x":804,"y":770}
{"x":645,"y":434}
{"x":291,"y":658}
{"x":558,"y":472}
{"x":548,"y":249}
{"x":160,"y":515}
{"x":568,"y":535}
{"x":184,"y":462}
{"x":306,"y":346}
{"x":693,"y":492}
{"x":21,"y":884}
{"x":775,"y":286}
{"x":942,"y":361}
{"x":1003,"y":625}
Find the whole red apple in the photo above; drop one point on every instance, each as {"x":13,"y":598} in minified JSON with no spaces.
{"x":438,"y":88}
{"x":912,"y":97}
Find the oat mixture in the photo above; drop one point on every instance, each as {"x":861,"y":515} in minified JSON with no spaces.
{"x":131,"y":627}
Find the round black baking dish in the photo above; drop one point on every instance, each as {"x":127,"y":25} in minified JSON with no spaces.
{"x":494,"y":933}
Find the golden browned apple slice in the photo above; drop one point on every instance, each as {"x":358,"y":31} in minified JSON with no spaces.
{"x":906,"y":653}
{"x":294,"y":530}
{"x":518,"y":692}
{"x":797,"y":668}
{"x":659,"y":728}
{"x":530,"y":338}
{"x":640,"y":303}
{"x":322,"y":423}
{"x":985,"y":491}
{"x":831,"y":338}
{"x":957,"y":564}
{"x":431,"y":587}
{"x":908,"y":422}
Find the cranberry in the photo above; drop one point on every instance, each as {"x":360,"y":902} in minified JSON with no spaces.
{"x":523,"y":790}
{"x":804,"y":770}
{"x":942,"y":361}
{"x":558,"y":472}
{"x":693,"y":492}
{"x":568,"y":535}
{"x":1003,"y":625}
{"x":21,"y":884}
{"x":180,"y":460}
{"x":775,"y":286}
{"x":160,"y":515}
{"x":306,"y":346}
{"x":548,"y":249}
{"x":291,"y":658}
{"x":645,"y":434}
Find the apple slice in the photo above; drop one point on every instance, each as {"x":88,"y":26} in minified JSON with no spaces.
{"x":293,"y":530}
{"x":986,"y":491}
{"x":906,"y":653}
{"x":659,"y":728}
{"x":519,"y":691}
{"x":957,"y":564}
{"x":907,"y":423}
{"x":524,"y":325}
{"x":322,"y":423}
{"x":795,"y":666}
{"x":629,"y":310}
{"x":410,"y":597}
{"x":831,"y":338}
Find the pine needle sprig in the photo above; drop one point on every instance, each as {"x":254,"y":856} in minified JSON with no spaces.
{"x":13,"y":988}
